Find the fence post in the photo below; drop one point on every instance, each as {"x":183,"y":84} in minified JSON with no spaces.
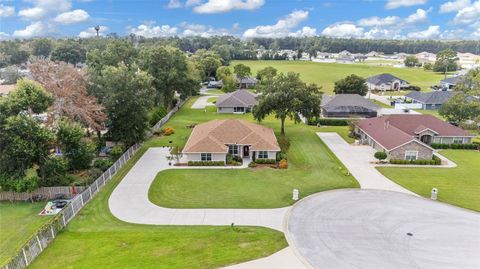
{"x":90,"y":189}
{"x":73,"y":209}
{"x":81,"y":197}
{"x":51,"y":229}
{"x":38,"y":241}
{"x":25,"y":256}
{"x":63,"y":217}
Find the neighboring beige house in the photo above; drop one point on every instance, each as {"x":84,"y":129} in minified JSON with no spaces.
{"x":408,"y":137}
{"x":213,"y":140}
{"x":426,"y":57}
{"x":238,"y":102}
{"x":386,"y":82}
{"x":468,"y":60}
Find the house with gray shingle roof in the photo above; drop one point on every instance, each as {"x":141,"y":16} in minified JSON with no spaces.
{"x":449,"y":83}
{"x":386,"y":82}
{"x":348,"y":106}
{"x":246,"y":82}
{"x":240,"y":101}
{"x":430,"y":100}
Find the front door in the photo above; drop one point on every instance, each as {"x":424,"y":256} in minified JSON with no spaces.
{"x":246,"y":151}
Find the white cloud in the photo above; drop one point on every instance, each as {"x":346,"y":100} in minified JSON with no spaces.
{"x":453,"y":34}
{"x":150,"y":30}
{"x":220,"y":6}
{"x":282,"y":28}
{"x":305,"y":31}
{"x":476,"y":34}
{"x":377,"y":21}
{"x":419,"y":16}
{"x":191,"y":3}
{"x":71,"y":17}
{"x":6,"y":11}
{"x":393,"y":4}
{"x":454,"y":6}
{"x":379,"y":33}
{"x":33,"y":30}
{"x":202,"y":30}
{"x":90,"y":32}
{"x":174,"y":4}
{"x":432,"y":32}
{"x":43,"y":8}
{"x":469,"y":14}
{"x":343,"y":30}
{"x":4,"y":35}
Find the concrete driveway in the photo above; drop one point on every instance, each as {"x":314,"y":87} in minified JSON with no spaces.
{"x":366,"y":229}
{"x":202,"y":102}
{"x":357,"y":159}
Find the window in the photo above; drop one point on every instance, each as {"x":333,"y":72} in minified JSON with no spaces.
{"x":411,"y":155}
{"x":233,"y":149}
{"x":206,"y":156}
{"x":457,"y":140}
{"x":238,"y":109}
{"x":263,"y":155}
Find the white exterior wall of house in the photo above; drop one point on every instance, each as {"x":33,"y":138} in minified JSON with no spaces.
{"x":386,"y":87}
{"x":271,"y":154}
{"x":231,"y":110}
{"x":197,"y":157}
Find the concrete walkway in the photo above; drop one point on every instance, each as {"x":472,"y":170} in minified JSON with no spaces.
{"x":357,"y":159}
{"x":202,"y":102}
{"x":129,"y":201}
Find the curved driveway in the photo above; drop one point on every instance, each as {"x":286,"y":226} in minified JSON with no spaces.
{"x":129,"y":201}
{"x":366,"y":229}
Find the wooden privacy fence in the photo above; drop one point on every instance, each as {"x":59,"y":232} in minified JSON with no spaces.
{"x":43,"y":193}
{"x":45,"y":235}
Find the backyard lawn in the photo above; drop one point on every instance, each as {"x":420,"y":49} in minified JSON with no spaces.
{"x":18,"y":221}
{"x":458,"y":186}
{"x":325,"y":74}
{"x":96,"y":239}
{"x":312,"y":168}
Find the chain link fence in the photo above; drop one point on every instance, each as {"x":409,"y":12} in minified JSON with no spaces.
{"x":45,"y":235}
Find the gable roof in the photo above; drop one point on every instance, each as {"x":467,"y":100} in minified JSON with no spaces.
{"x":348,"y":103}
{"x":238,"y":98}
{"x":434,"y":97}
{"x":452,"y":80}
{"x":213,"y":136}
{"x":384,"y":78}
{"x":247,"y":80}
{"x":395,"y":130}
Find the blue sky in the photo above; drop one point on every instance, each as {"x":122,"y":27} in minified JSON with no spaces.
{"x":390,"y":19}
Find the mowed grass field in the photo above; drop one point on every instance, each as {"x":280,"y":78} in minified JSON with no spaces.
{"x":458,"y":186}
{"x":96,"y":239}
{"x":325,"y":74}
{"x":312,"y":168}
{"x":18,"y":222}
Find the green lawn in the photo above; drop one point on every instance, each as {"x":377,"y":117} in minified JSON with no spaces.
{"x":212,"y":99}
{"x":459,"y":186}
{"x":18,"y":222}
{"x":433,"y":112}
{"x":96,"y":239}
{"x":382,"y":105}
{"x":312,"y":169}
{"x":325,"y":74}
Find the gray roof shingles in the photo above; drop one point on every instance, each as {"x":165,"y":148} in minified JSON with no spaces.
{"x":239,"y":98}
{"x":431,"y":98}
{"x":347,"y":103}
{"x":384,"y":79}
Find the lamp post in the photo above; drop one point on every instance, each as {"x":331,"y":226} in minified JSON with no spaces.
{"x":97,"y":29}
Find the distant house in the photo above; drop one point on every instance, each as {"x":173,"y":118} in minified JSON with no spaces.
{"x":344,"y":53}
{"x":449,"y":83}
{"x":373,"y":54}
{"x":240,"y":101}
{"x":386,"y":82}
{"x":246,"y":82}
{"x":6,"y":89}
{"x":213,"y":140}
{"x":430,"y":100}
{"x":348,"y":106}
{"x":401,"y":56}
{"x":215,"y":84}
{"x":408,"y":137}
{"x":426,"y":57}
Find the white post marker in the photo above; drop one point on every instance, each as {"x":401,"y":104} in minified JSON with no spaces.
{"x":295,"y":195}
{"x":434,"y":194}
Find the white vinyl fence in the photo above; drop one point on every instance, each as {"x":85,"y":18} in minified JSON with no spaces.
{"x":48,"y":232}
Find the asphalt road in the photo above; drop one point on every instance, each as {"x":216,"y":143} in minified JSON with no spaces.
{"x":367,"y":229}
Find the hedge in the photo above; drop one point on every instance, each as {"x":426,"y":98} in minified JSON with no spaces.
{"x":328,"y":122}
{"x":454,"y":146}
{"x":434,"y":161}
{"x":266,"y":161}
{"x":206,"y":163}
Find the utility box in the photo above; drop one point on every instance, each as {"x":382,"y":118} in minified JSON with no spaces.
{"x":434,"y":194}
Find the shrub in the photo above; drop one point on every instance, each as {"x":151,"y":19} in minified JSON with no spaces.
{"x":284,"y":143}
{"x":82,"y":157}
{"x":206,"y":163}
{"x":454,"y":146}
{"x":102,"y":164}
{"x":281,"y":156}
{"x":252,"y":164}
{"x":156,"y":114}
{"x":380,"y":155}
{"x":328,"y":122}
{"x":116,"y":152}
{"x":91,"y":175}
{"x":168,"y":131}
{"x":283,"y":164}
{"x":434,"y":161}
{"x":266,"y":161}
{"x":54,"y":173}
